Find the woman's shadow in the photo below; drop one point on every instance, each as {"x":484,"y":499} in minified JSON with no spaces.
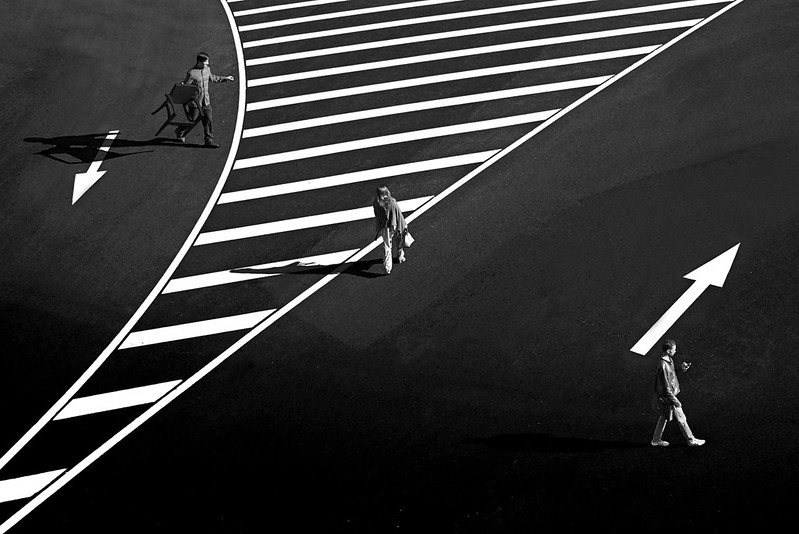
{"x":359,"y":268}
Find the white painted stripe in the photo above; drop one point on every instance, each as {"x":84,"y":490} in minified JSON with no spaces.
{"x":424,"y":106}
{"x":355,"y":177}
{"x":462,"y":75}
{"x":209,"y":327}
{"x":335,"y":15}
{"x":61,"y":481}
{"x":241,"y":274}
{"x":466,"y":52}
{"x":404,"y":137}
{"x":407,"y":22}
{"x":300,"y":223}
{"x":474,"y":31}
{"x":23,"y":487}
{"x":115,"y":400}
{"x":295,"y":5}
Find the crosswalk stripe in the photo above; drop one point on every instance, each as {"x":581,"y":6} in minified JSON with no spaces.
{"x":23,"y":487}
{"x":300,"y":223}
{"x":193,"y":330}
{"x":347,"y":146}
{"x":355,"y":177}
{"x":295,"y":5}
{"x":465,"y":52}
{"x":457,"y":76}
{"x":404,"y":22}
{"x":424,"y":106}
{"x":245,"y":274}
{"x":115,"y":400}
{"x":329,"y":16}
{"x":474,"y":31}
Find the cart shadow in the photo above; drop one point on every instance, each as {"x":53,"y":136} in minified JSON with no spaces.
{"x":82,"y":149}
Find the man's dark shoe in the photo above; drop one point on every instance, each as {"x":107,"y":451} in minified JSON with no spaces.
{"x":211,"y":144}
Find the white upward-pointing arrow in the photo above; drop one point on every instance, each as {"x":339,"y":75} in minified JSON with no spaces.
{"x":713,"y":273}
{"x":84,"y":180}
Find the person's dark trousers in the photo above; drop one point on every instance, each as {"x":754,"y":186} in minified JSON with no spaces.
{"x":207,"y":123}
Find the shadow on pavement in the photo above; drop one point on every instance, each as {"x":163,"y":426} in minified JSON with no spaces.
{"x":359,"y":268}
{"x":551,"y":444}
{"x":82,"y":149}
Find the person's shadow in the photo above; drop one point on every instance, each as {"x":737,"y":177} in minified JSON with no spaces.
{"x":82,"y":149}
{"x":358,"y":268}
{"x":545,"y":443}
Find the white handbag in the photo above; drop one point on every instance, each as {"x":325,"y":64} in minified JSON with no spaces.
{"x":408,"y":239}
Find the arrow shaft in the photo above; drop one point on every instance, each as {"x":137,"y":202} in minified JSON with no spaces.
{"x":668,"y":319}
{"x":98,"y":159}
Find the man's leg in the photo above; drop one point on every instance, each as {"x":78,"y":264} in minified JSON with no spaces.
{"x":657,"y":437}
{"x":679,"y":415}
{"x":208,"y":119}
{"x":385,"y":233}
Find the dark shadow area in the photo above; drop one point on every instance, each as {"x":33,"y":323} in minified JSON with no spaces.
{"x":551,"y":444}
{"x":82,"y":149}
{"x":359,"y":268}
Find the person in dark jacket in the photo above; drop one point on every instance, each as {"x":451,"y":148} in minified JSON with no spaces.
{"x":389,"y":225}
{"x":201,"y":76}
{"x":664,"y":399}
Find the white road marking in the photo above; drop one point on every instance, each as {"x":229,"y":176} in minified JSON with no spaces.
{"x":242,"y":274}
{"x":481,"y":30}
{"x":329,"y":16}
{"x":356,"y":177}
{"x":404,"y":137}
{"x":208,"y":327}
{"x":405,"y":22}
{"x":295,"y":5}
{"x":23,"y":487}
{"x":84,"y":180}
{"x":459,"y":76}
{"x":300,"y":223}
{"x":424,"y":106}
{"x":115,"y":400}
{"x":465,"y":52}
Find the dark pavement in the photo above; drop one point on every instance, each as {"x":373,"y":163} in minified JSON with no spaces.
{"x":487,"y":384}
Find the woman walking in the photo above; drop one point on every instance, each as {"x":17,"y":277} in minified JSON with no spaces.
{"x":389,"y":225}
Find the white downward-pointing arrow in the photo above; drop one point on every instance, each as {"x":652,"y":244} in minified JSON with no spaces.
{"x":84,"y":180}
{"x":713,"y":273}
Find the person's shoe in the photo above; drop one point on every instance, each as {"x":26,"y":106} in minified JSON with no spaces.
{"x":696,"y":442}
{"x":211,"y":144}
{"x":178,"y":135}
{"x":660,"y":443}
{"x":401,"y":258}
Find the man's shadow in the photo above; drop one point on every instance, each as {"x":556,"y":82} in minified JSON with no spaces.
{"x":545,"y":443}
{"x":358,"y":268}
{"x":83,"y":149}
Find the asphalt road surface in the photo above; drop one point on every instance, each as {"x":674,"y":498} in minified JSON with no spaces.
{"x":487,"y":384}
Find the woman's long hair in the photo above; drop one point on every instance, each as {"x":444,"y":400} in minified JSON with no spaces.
{"x":383,"y":196}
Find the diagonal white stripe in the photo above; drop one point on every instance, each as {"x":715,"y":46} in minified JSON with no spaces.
{"x":483,"y":30}
{"x":404,"y":22}
{"x":329,"y":16}
{"x":405,"y":137}
{"x":355,"y":177}
{"x":115,"y":400}
{"x":295,"y":5}
{"x":192,"y":330}
{"x":424,"y":106}
{"x":457,"y":76}
{"x":244,"y":274}
{"x":300,"y":223}
{"x":466,"y":52}
{"x":23,"y":487}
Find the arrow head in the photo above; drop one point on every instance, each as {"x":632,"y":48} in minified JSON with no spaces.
{"x":715,"y":271}
{"x":83,"y":181}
